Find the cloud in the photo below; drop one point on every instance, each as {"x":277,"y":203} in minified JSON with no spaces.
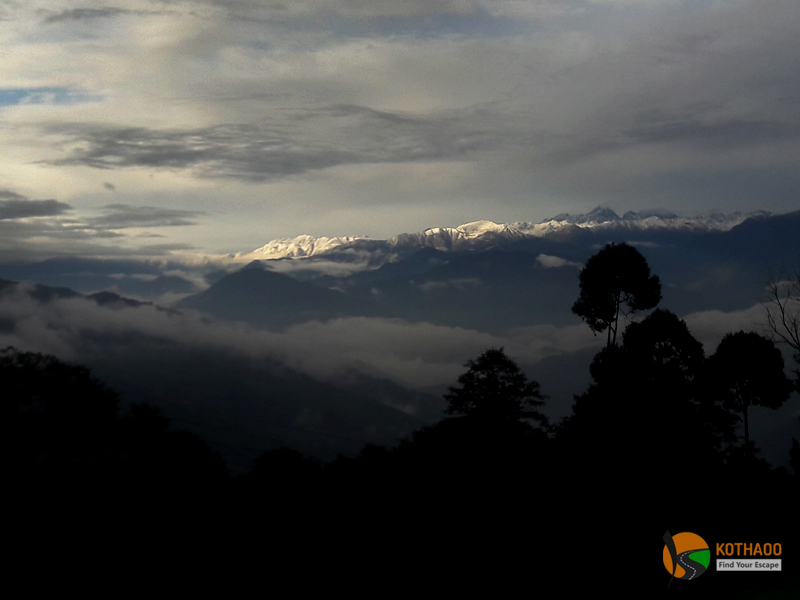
{"x":9,"y":195}
{"x":296,"y":142}
{"x":714,"y":134}
{"x":36,"y":229}
{"x":413,"y":354}
{"x":342,"y":104}
{"x":563,"y":123}
{"x":356,"y":10}
{"x":391,"y":8}
{"x":549,"y":261}
{"x":122,"y":216}
{"x":49,"y":237}
{"x":459,"y":284}
{"x":710,"y":326}
{"x":163,"y":350}
{"x":16,"y":206}
{"x":53,"y":229}
{"x":82,"y":14}
{"x":419,"y":12}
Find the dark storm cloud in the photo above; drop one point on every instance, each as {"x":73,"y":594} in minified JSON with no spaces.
{"x":299,"y":142}
{"x":17,"y":206}
{"x":121,"y":216}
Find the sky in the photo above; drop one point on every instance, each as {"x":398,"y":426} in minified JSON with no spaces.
{"x":156,"y":128}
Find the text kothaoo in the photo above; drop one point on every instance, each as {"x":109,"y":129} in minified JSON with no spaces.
{"x":740,"y":549}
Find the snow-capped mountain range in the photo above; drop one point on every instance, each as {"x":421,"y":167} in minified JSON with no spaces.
{"x":487,"y":232}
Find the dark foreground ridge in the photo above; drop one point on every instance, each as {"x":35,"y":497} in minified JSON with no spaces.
{"x":493,"y":497}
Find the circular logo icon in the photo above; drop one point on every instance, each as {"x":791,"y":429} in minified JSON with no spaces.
{"x":686,"y":555}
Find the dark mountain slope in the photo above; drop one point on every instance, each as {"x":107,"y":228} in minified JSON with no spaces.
{"x":266,"y":298}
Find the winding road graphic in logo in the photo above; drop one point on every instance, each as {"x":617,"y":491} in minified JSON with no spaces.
{"x":686,"y":555}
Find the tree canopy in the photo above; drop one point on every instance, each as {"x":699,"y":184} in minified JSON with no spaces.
{"x":495,"y":389}
{"x":51,"y":408}
{"x":616,"y":276}
{"x":58,"y":422}
{"x":652,"y":372}
{"x":747,"y":370}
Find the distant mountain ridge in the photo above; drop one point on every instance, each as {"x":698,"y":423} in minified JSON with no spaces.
{"x":453,"y":277}
{"x":435,"y":293}
{"x":485,"y":233}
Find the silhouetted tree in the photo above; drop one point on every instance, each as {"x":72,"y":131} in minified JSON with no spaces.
{"x":494,"y":389}
{"x":783,"y":313}
{"x":645,"y":404}
{"x":54,"y":416}
{"x":616,"y":276}
{"x":488,"y":452}
{"x":59,"y":424}
{"x":747,"y":370}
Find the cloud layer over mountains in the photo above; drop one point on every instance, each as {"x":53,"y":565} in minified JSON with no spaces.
{"x":355,"y":355}
{"x":413,"y":354}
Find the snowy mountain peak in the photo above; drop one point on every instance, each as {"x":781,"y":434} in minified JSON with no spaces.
{"x":660,"y":213}
{"x":468,"y":230}
{"x":477,"y":228}
{"x":599,"y":214}
{"x":297,"y":247}
{"x":605,"y":218}
{"x":481,"y":234}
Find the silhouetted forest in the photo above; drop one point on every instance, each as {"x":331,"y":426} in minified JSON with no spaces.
{"x":492,"y":495}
